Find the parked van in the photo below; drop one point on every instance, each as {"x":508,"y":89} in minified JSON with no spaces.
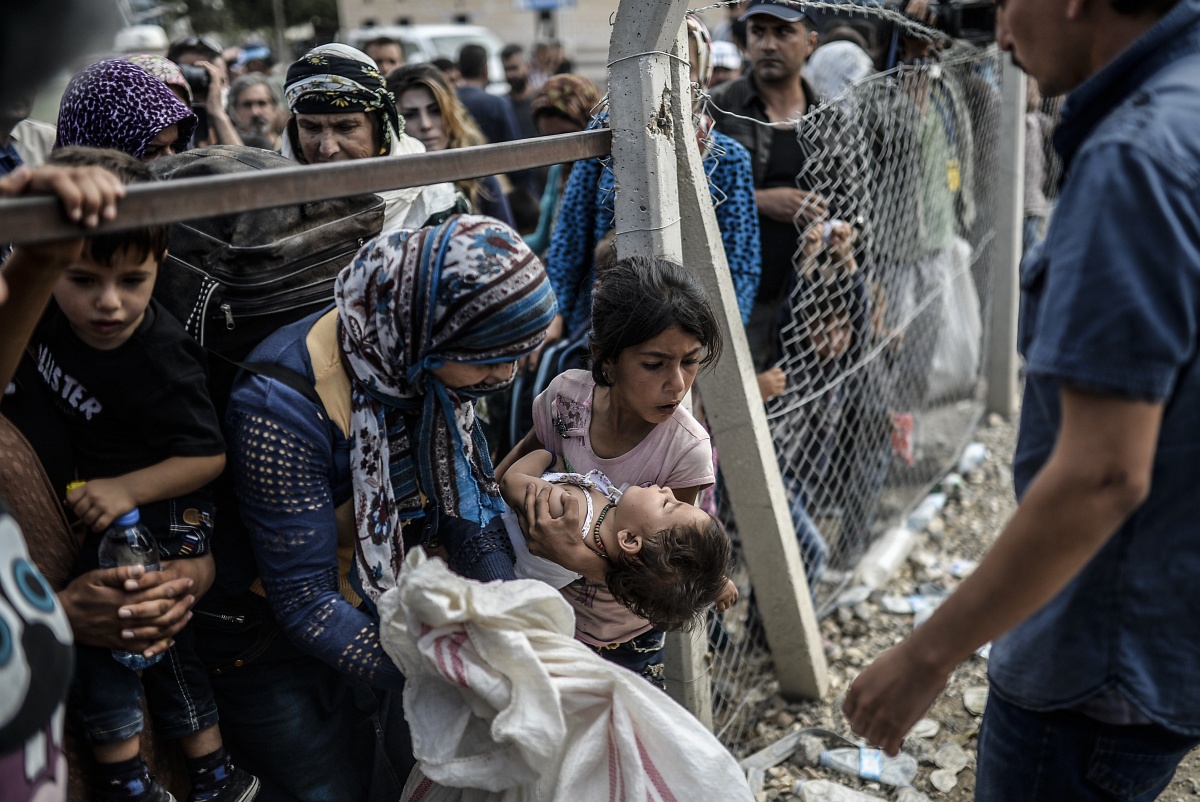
{"x":427,"y":42}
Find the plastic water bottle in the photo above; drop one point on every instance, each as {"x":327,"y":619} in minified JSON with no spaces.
{"x":926,"y":511}
{"x":885,"y":556}
{"x":872,"y":764}
{"x":127,"y":542}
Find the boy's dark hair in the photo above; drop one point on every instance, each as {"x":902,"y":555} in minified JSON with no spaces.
{"x":139,"y":242}
{"x":472,"y":62}
{"x":638,"y":298}
{"x":678,"y":572}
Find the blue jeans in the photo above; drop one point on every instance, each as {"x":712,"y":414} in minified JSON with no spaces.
{"x":308,"y":731}
{"x":1026,"y":756}
{"x":642,"y":655}
{"x":106,"y":696}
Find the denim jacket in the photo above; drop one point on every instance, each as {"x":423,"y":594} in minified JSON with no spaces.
{"x":1111,"y":303}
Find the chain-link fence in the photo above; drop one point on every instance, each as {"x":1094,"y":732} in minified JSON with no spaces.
{"x":883,"y":333}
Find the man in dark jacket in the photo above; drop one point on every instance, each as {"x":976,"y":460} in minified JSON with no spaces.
{"x":804,"y":173}
{"x":494,"y":114}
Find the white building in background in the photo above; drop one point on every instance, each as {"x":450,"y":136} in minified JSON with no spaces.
{"x":583,"y":26}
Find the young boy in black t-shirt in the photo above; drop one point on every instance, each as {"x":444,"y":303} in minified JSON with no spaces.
{"x":112,"y":392}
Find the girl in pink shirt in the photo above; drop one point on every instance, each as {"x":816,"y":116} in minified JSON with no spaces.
{"x":653,"y":330}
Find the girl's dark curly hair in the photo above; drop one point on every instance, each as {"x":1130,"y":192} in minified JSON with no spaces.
{"x":637,"y":298}
{"x":676,"y":575}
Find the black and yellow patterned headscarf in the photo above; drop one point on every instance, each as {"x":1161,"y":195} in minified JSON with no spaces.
{"x":337,"y":79}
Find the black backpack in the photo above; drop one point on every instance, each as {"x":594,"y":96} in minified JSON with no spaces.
{"x":233,"y":279}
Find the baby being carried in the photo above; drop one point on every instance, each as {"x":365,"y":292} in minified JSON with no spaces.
{"x":664,"y":559}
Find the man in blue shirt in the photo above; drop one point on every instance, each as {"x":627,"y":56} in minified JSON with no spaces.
{"x":1091,"y":589}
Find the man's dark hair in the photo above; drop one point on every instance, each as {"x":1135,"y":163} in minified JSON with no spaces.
{"x":244,"y":82}
{"x":206,"y":47}
{"x":381,"y":41}
{"x":1136,"y":7}
{"x":138,"y":242}
{"x":847,"y":31}
{"x":444,"y":64}
{"x":637,"y":299}
{"x":472,"y":62}
{"x":511,"y":50}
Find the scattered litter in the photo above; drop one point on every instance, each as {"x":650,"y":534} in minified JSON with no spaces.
{"x":975,"y":699}
{"x":919,"y":518}
{"x":972,"y":457}
{"x":825,"y":791}
{"x":951,"y":757}
{"x":872,"y":764}
{"x":943,"y":779}
{"x":925,"y":728}
{"x":910,"y":794}
{"x":914,"y":603}
{"x":960,"y":569}
{"x":985,"y":651}
{"x":885,"y":556}
{"x":853,"y":596}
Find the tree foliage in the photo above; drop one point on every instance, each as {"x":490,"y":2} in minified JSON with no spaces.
{"x":248,"y":15}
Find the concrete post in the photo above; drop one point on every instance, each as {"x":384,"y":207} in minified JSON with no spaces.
{"x":665,"y":208}
{"x":1010,"y":203}
{"x":738,"y":420}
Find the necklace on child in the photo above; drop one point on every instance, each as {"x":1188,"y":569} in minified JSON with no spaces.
{"x":600,"y":549}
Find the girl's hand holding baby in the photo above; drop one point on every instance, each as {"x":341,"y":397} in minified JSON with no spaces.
{"x":727,"y":597}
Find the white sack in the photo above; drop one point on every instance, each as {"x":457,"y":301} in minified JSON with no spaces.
{"x":506,"y":705}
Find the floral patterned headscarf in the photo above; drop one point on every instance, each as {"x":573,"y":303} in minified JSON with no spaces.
{"x":337,"y":79}
{"x":466,"y":290}
{"x":164,"y":70}
{"x":570,"y":96}
{"x":115,"y":104}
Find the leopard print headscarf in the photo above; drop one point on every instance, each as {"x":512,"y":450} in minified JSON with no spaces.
{"x":117,"y":104}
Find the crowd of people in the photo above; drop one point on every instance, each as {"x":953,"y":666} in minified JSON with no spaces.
{"x":373,"y":427}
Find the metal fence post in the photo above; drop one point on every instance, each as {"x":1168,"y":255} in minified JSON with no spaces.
{"x":1010,"y":203}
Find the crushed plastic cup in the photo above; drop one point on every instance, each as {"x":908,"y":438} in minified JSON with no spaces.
{"x":926,"y":511}
{"x":885,"y":556}
{"x":913,"y":603}
{"x":826,"y":791}
{"x":972,"y":457}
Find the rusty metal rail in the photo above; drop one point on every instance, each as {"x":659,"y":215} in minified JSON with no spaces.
{"x":38,"y":219}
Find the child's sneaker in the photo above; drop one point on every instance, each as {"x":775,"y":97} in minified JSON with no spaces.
{"x":143,"y":789}
{"x":242,"y":786}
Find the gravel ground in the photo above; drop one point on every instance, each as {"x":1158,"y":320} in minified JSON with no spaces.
{"x":855,"y":633}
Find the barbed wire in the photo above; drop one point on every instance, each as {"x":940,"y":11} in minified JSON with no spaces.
{"x":868,"y":8}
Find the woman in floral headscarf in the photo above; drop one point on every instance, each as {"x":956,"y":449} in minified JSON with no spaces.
{"x":360,"y":442}
{"x":342,"y":110}
{"x":116,"y":104}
